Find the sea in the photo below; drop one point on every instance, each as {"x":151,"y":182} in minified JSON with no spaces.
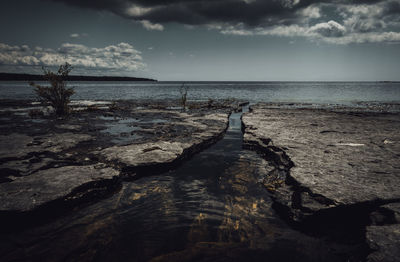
{"x":340,"y":93}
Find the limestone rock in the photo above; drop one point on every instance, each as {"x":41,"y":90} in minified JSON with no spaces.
{"x":204,"y":130}
{"x":14,"y":145}
{"x":334,"y":159}
{"x":320,"y":145}
{"x":145,"y":154}
{"x":385,"y":241}
{"x":395,"y":208}
{"x":29,"y":192}
{"x":58,"y":142}
{"x":19,"y":145}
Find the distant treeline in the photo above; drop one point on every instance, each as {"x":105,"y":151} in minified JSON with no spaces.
{"x":28,"y":77}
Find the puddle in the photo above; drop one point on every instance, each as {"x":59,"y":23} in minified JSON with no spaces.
{"x":108,"y":118}
{"x":128,"y":121}
{"x":36,"y":120}
{"x":21,"y":114}
{"x":122,"y":131}
{"x":154,"y":121}
{"x":89,"y":103}
{"x":23,"y":109}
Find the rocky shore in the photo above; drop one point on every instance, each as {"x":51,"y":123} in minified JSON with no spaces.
{"x":335,"y":173}
{"x":331,"y":173}
{"x":64,"y":162}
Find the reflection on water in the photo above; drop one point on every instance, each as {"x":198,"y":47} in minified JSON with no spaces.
{"x":211,"y":208}
{"x":123,"y":131}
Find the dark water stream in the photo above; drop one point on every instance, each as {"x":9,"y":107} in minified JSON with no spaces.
{"x":211,"y":208}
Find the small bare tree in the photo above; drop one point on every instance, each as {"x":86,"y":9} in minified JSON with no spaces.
{"x":57,"y":94}
{"x":183,"y":90}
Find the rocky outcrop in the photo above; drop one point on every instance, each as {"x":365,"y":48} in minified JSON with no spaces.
{"x":328,"y":163}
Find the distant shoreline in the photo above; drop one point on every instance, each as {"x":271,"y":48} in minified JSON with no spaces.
{"x":29,"y":77}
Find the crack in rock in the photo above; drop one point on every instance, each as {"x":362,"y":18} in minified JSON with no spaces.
{"x":325,"y":182}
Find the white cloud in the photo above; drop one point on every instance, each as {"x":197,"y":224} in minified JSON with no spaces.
{"x":311,"y":12}
{"x":290,"y":3}
{"x":329,"y":32}
{"x":371,"y":37}
{"x":283,"y":31}
{"x":329,"y":29}
{"x":150,"y":26}
{"x":121,"y":57}
{"x":286,"y":31}
{"x":137,"y":11}
{"x":353,"y":23}
{"x":75,"y":35}
{"x":232,"y":30}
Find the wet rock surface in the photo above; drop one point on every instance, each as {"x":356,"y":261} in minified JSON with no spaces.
{"x":197,"y":130}
{"x":27,"y":193}
{"x":44,"y":158}
{"x":332,"y":167}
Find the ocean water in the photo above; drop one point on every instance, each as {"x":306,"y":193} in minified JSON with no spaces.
{"x":344,"y":93}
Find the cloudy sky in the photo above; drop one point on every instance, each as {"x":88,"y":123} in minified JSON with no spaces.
{"x":205,"y":39}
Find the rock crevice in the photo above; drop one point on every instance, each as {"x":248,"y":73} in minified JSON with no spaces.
{"x":332,"y":183}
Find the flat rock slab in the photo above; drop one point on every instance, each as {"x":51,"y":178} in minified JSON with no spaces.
{"x":167,"y":151}
{"x":27,"y":193}
{"x":19,"y":145}
{"x":15,"y":145}
{"x":347,"y":158}
{"x":333,"y":159}
{"x":144,"y":154}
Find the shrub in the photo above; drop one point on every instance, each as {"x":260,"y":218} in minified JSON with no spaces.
{"x":183,"y":90}
{"x":57,"y":94}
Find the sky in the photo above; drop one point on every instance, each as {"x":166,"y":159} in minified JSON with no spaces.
{"x":205,"y":40}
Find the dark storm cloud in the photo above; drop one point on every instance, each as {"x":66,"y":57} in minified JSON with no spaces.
{"x":340,"y":21}
{"x":392,"y":7}
{"x":194,"y":12}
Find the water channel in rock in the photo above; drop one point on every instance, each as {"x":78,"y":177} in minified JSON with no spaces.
{"x":211,"y":208}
